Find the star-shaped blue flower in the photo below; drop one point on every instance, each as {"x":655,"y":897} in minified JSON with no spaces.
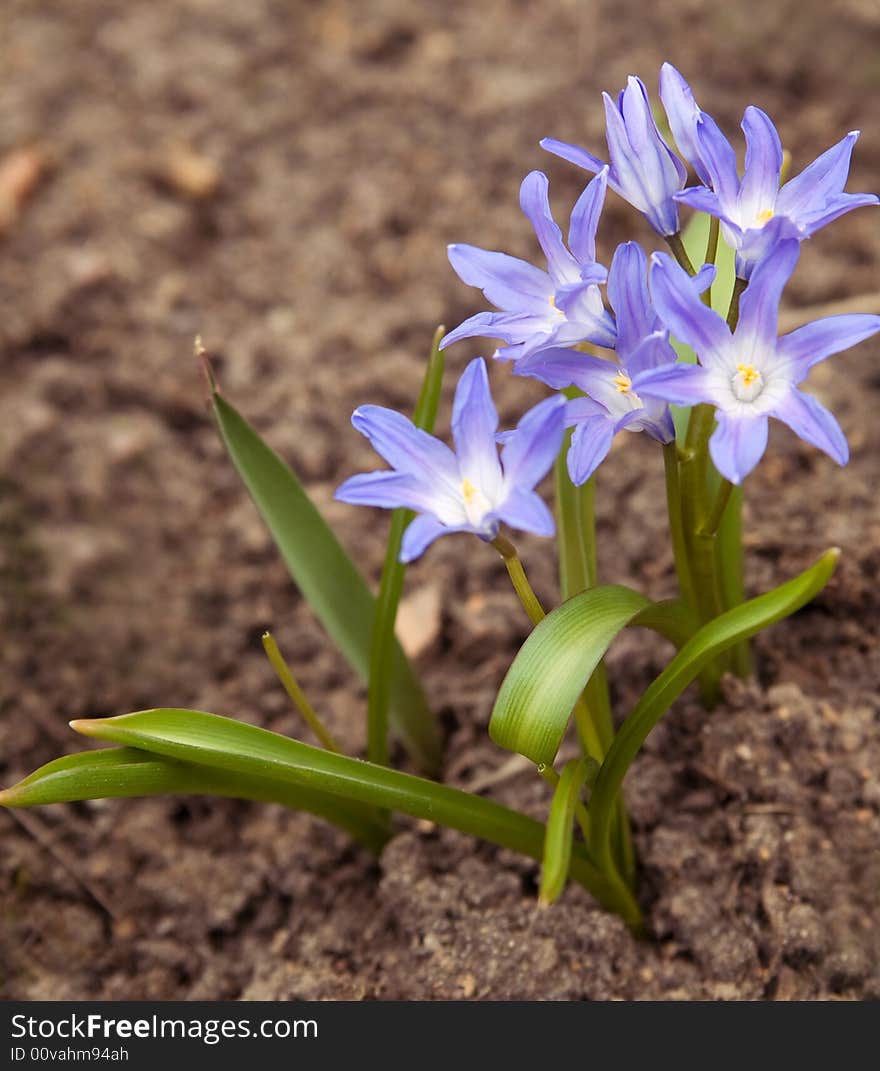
{"x":558,"y":307}
{"x":746,"y":206}
{"x":750,"y":375}
{"x":644,"y":170}
{"x":470,"y":489}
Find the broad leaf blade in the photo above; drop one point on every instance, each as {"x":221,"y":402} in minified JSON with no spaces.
{"x":325,"y":574}
{"x":553,"y":666}
{"x":128,"y":772}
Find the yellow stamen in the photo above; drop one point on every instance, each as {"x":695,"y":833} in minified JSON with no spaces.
{"x":749,"y":374}
{"x":469,"y":491}
{"x":765,"y":216}
{"x":622,"y":382}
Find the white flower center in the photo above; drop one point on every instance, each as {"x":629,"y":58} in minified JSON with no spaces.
{"x":476,"y":504}
{"x":747,"y":384}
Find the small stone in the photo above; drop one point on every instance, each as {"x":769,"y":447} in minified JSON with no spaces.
{"x":418,"y":620}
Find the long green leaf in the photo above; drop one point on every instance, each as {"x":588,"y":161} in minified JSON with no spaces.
{"x":325,"y":574}
{"x":225,"y":744}
{"x":558,"y":840}
{"x":554,"y":664}
{"x":382,"y":639}
{"x":711,"y":640}
{"x":128,"y":772}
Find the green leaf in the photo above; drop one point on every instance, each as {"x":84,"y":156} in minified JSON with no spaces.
{"x":553,"y":666}
{"x":127,"y":772}
{"x":710,"y":641}
{"x":325,"y":574}
{"x":558,"y":839}
{"x":224,"y":744}
{"x":382,"y":640}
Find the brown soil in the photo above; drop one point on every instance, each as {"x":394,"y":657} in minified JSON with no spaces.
{"x":283,"y":177}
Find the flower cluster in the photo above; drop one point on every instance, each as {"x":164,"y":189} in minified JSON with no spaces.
{"x":550,"y":322}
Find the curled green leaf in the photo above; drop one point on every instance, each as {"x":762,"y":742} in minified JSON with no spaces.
{"x":554,"y":664}
{"x":558,"y":839}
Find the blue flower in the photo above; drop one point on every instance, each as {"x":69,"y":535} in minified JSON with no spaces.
{"x":750,"y":375}
{"x":558,"y":307}
{"x":614,"y":401}
{"x":746,"y":206}
{"x":684,"y":115}
{"x":644,"y":170}
{"x":469,"y":490}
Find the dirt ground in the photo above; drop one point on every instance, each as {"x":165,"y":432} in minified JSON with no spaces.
{"x":283,"y":177}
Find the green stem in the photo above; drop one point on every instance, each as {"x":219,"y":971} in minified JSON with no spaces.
{"x":381,"y":640}
{"x":578,"y":571}
{"x":711,"y":253}
{"x":739,"y":286}
{"x":716,"y":515}
{"x":730,"y":547}
{"x":676,"y":524}
{"x":293,"y":689}
{"x":518,"y":578}
{"x":676,"y":245}
{"x":391,"y":584}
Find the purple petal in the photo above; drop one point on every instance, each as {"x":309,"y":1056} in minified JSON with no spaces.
{"x":680,"y":384}
{"x":681,"y":310}
{"x":738,"y":444}
{"x":421,"y":532}
{"x":645,"y":171}
{"x":812,"y":343}
{"x":759,"y":306}
{"x":559,"y":367}
{"x":760,"y":183}
{"x":530,"y":452}
{"x":585,"y":219}
{"x":704,"y":278}
{"x":630,"y":298}
{"x":579,"y":409}
{"x":534,"y":200}
{"x":720,"y":160}
{"x":756,"y":243}
{"x":526,"y":511}
{"x":590,"y":443}
{"x":834,"y":209}
{"x":683,"y":113}
{"x":509,"y":327}
{"x":508,"y":282}
{"x":406,"y":447}
{"x":825,"y":178}
{"x":703,"y":200}
{"x":574,"y":154}
{"x":387,"y":490}
{"x":664,"y":172}
{"x":655,"y":351}
{"x":812,"y":422}
{"x":474,"y":423}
